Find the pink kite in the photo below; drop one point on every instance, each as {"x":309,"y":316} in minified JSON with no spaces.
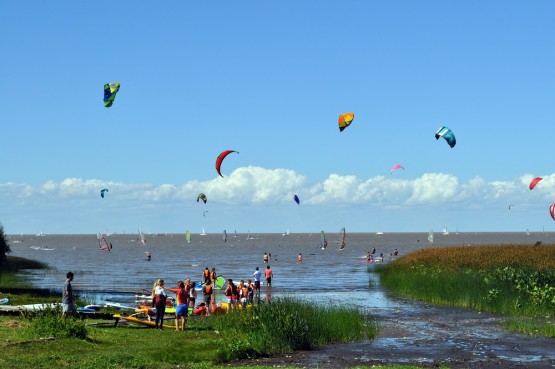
{"x":552,"y":210}
{"x":395,"y":167}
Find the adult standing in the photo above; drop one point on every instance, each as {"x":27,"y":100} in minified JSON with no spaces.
{"x":68,"y":302}
{"x":269,"y":275}
{"x":207,"y":292}
{"x":182,"y":308}
{"x":160,"y":298}
{"x":257,"y":276}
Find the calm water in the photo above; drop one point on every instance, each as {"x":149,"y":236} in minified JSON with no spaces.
{"x":324,"y":274}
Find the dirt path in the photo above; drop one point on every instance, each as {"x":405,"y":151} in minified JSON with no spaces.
{"x":429,"y":336}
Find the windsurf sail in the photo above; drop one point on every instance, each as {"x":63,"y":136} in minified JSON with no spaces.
{"x":224,"y":236}
{"x":323,"y":241}
{"x":142,"y":237}
{"x":203,"y":233}
{"x":431,"y":236}
{"x":103,"y":243}
{"x":343,"y":239}
{"x":188,"y":236}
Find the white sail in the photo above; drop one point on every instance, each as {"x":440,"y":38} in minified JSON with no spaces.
{"x":431,"y":236}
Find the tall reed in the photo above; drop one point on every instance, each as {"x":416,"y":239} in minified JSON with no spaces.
{"x":509,"y":279}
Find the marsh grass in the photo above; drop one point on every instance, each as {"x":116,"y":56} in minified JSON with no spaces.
{"x":506,"y":279}
{"x":287,"y":325}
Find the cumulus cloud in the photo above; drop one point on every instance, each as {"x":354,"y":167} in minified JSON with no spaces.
{"x":257,"y":185}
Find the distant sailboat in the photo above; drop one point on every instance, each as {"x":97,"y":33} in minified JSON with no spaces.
{"x":188,"y":236}
{"x":323,"y":241}
{"x":249,"y":237}
{"x":286,"y":233}
{"x":431,"y":236}
{"x":235,"y":234}
{"x":224,"y":236}
{"x":445,"y":231}
{"x":343,"y":239}
{"x":203,"y":233}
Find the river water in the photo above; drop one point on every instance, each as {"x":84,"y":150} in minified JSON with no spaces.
{"x":411,"y":331}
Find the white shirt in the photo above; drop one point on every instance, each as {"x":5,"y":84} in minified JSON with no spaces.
{"x":257,"y":275}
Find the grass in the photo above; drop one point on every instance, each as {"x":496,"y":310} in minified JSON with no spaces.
{"x":518,"y":281}
{"x":269,"y":329}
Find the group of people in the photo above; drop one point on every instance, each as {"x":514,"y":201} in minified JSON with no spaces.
{"x":186,"y":295}
{"x":370,"y":255}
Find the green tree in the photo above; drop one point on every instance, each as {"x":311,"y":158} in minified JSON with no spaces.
{"x":4,"y":246}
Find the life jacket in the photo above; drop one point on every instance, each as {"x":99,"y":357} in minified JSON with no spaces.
{"x":245,"y":291}
{"x":206,"y":273}
{"x":207,"y":290}
{"x":213,"y":276}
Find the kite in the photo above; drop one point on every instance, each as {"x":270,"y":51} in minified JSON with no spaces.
{"x":296,"y":198}
{"x":552,"y":210}
{"x":535,"y":182}
{"x":221,"y":158}
{"x":511,"y":205}
{"x":204,"y":213}
{"x":395,"y":167}
{"x":202,"y":197}
{"x":110,"y":91}
{"x":448,"y":135}
{"x":345,"y":120}
{"x":103,"y":191}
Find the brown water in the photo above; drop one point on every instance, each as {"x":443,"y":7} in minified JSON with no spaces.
{"x":411,"y":332}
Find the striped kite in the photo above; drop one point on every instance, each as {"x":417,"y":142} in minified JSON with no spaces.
{"x":448,"y":135}
{"x":110,"y":91}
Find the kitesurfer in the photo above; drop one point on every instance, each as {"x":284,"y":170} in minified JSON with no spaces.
{"x":148,"y":255}
{"x":300,"y":258}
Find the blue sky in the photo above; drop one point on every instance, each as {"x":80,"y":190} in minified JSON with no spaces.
{"x":269,"y":80}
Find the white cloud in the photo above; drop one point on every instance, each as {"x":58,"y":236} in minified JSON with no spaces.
{"x":256,"y":185}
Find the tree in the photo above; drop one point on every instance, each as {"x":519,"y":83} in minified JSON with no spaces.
{"x":4,"y":246}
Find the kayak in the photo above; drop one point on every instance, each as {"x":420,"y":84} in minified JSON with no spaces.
{"x":133,"y":319}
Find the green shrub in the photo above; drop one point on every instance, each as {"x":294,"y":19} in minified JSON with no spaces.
{"x":49,"y":322}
